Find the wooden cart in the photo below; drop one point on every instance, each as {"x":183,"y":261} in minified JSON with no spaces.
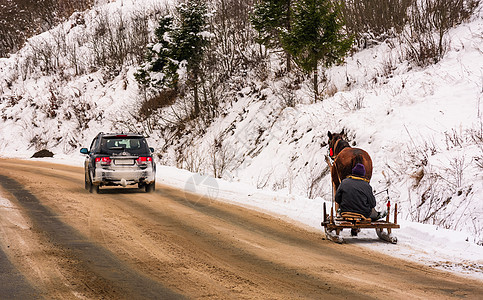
{"x":333,"y":226}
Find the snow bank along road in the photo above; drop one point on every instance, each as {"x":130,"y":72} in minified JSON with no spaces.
{"x":60,"y":242}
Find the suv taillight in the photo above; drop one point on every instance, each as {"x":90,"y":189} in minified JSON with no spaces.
{"x":143,"y":160}
{"x":105,"y":161}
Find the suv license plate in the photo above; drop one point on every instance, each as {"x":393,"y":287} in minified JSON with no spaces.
{"x":124,"y":162}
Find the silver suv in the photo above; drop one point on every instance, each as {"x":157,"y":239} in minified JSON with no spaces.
{"x":119,"y":160}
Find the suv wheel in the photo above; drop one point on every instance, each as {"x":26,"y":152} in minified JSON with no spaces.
{"x":150,"y":187}
{"x":92,"y":188}
{"x":87,"y":182}
{"x":95,"y":189}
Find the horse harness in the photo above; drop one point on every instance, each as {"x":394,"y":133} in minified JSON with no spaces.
{"x":358,"y":178}
{"x":333,"y":150}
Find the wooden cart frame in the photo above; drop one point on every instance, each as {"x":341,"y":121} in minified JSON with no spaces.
{"x":334,"y":225}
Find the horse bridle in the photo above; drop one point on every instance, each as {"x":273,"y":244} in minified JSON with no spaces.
{"x":332,"y":154}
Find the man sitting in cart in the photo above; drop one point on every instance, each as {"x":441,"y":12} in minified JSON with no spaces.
{"x":355,"y":195}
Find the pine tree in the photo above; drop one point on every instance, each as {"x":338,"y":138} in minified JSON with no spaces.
{"x":164,"y":47}
{"x":316,"y":36}
{"x":158,"y":59}
{"x":191,"y":40}
{"x":180,"y":49}
{"x":270,"y":18}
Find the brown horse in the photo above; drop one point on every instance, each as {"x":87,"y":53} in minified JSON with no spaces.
{"x":345,"y":158}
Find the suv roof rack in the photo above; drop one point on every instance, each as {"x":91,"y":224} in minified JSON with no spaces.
{"x":127,"y":134}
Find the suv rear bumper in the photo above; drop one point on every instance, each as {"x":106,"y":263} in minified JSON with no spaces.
{"x":123,"y":176}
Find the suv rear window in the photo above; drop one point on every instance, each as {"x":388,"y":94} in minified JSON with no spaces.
{"x":115,"y":145}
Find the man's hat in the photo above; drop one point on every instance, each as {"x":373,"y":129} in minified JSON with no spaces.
{"x":359,"y":170}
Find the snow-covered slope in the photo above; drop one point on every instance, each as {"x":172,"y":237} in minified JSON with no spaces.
{"x":423,"y":128}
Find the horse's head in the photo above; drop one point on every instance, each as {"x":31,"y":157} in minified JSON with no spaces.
{"x":334,"y":145}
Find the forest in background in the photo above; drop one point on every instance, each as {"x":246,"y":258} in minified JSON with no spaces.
{"x":21,"y":19}
{"x":242,"y":35}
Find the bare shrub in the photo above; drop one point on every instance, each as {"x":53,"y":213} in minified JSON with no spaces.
{"x":441,"y":191}
{"x":422,"y":48}
{"x":354,"y":103}
{"x":454,"y":139}
{"x":22,"y":19}
{"x":429,"y":22}
{"x":331,"y":90}
{"x":479,"y":159}
{"x":191,"y":159}
{"x":83,"y":111}
{"x":264,"y":179}
{"x":104,"y":42}
{"x":262,"y":70}
{"x":314,"y":181}
{"x":120,"y":37}
{"x":110,"y":41}
{"x":138,"y":35}
{"x":227,"y":55}
{"x":222,"y":157}
{"x":155,"y":114}
{"x":43,"y":53}
{"x":388,"y":67}
{"x":476,"y":135}
{"x":421,"y":25}
{"x":285,"y":89}
{"x":430,"y":188}
{"x":38,"y":142}
{"x":373,"y":21}
{"x":359,"y":101}
{"x":54,"y":103}
{"x":457,"y":168}
{"x":233,"y":34}
{"x":213,"y":88}
{"x":418,"y":175}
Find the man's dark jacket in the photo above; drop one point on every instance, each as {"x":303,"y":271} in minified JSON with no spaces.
{"x":355,"y":195}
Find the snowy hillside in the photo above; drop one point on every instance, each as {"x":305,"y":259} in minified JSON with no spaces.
{"x":423,"y":127}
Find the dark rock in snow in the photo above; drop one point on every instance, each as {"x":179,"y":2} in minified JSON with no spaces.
{"x":43,"y":153}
